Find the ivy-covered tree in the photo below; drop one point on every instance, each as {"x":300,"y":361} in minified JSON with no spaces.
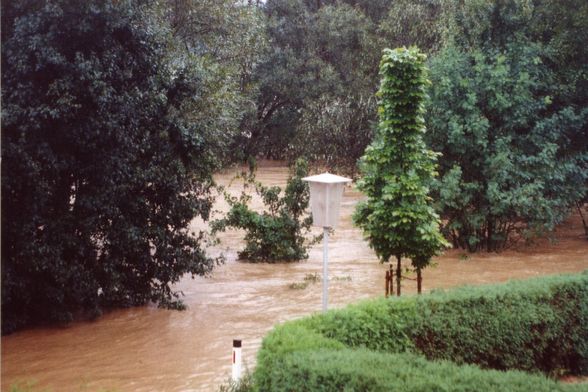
{"x":102,"y":173}
{"x":398,"y":218}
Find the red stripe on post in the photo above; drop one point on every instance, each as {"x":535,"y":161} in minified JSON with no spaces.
{"x":233,"y":357}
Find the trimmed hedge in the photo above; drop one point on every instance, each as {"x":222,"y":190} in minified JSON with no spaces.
{"x":535,"y":325}
{"x":538,"y":325}
{"x":362,"y":370}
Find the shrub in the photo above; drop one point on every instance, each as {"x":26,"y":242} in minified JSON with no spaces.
{"x":103,"y":165}
{"x":534,"y":325}
{"x":277,"y":234}
{"x":281,"y":342}
{"x":245,"y":384}
{"x":375,"y":324}
{"x":361,"y":370}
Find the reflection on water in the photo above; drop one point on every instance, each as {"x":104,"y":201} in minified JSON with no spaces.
{"x":150,"y":349}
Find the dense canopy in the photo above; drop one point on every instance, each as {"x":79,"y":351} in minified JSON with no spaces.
{"x":115,"y":115}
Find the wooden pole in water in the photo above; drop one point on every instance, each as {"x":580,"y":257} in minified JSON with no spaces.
{"x":387,"y":282}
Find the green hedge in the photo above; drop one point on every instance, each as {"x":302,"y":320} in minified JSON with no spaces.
{"x":538,"y":325}
{"x":535,"y":325}
{"x":362,"y":370}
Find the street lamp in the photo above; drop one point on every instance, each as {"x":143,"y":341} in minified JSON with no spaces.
{"x":326,"y":191}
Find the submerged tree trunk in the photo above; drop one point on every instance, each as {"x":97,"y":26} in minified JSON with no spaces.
{"x":489,"y":234}
{"x":419,"y":280}
{"x":398,"y":275}
{"x":579,"y":206}
{"x":391,"y":279}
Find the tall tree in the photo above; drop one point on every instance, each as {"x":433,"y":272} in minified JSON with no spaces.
{"x":102,"y":171}
{"x":398,"y":218}
{"x":415,"y":22}
{"x":508,"y":111}
{"x":321,"y":54}
{"x":341,"y":117}
{"x":509,"y":165}
{"x":227,"y":36}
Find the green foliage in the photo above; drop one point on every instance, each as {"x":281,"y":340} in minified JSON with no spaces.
{"x":534,"y":325}
{"x":509,"y":165}
{"x":298,"y":285}
{"x":245,"y":384}
{"x":340,"y":129}
{"x":418,"y":23}
{"x":398,"y":218}
{"x":25,"y":387}
{"x":317,"y":82}
{"x":361,"y":370}
{"x":320,"y":70}
{"x":278,"y":233}
{"x":228,"y":35}
{"x":102,"y":169}
{"x":281,"y":342}
{"x":508,"y":111}
{"x":308,"y":280}
{"x":380,"y":325}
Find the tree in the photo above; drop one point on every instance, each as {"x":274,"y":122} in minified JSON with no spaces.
{"x":229,"y":37}
{"x":341,"y":119}
{"x":509,"y":163}
{"x":397,"y":218}
{"x":102,"y":171}
{"x":415,"y":22}
{"x":278,"y":233}
{"x":321,"y":55}
{"x":340,"y":130}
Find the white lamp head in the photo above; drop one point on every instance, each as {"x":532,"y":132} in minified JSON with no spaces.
{"x":326,"y":191}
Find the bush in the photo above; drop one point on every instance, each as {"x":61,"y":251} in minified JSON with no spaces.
{"x":361,"y":370}
{"x":534,"y":325}
{"x":277,"y":234}
{"x":376,"y":325}
{"x":280,"y":343}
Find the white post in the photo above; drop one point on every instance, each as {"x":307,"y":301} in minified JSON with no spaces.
{"x":325,"y":268}
{"x":236,"y":374}
{"x":321,"y":187}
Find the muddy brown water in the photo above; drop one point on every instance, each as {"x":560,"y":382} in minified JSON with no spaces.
{"x":150,"y":349}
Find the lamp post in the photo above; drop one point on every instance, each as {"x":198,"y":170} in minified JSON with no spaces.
{"x":326,"y":191}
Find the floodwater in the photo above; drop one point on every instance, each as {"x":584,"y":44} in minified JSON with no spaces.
{"x":151,"y":349}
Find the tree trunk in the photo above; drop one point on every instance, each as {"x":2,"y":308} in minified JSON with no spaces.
{"x":391,"y":279}
{"x":489,"y":234}
{"x":398,"y":275}
{"x":419,"y":281}
{"x":579,"y":206}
